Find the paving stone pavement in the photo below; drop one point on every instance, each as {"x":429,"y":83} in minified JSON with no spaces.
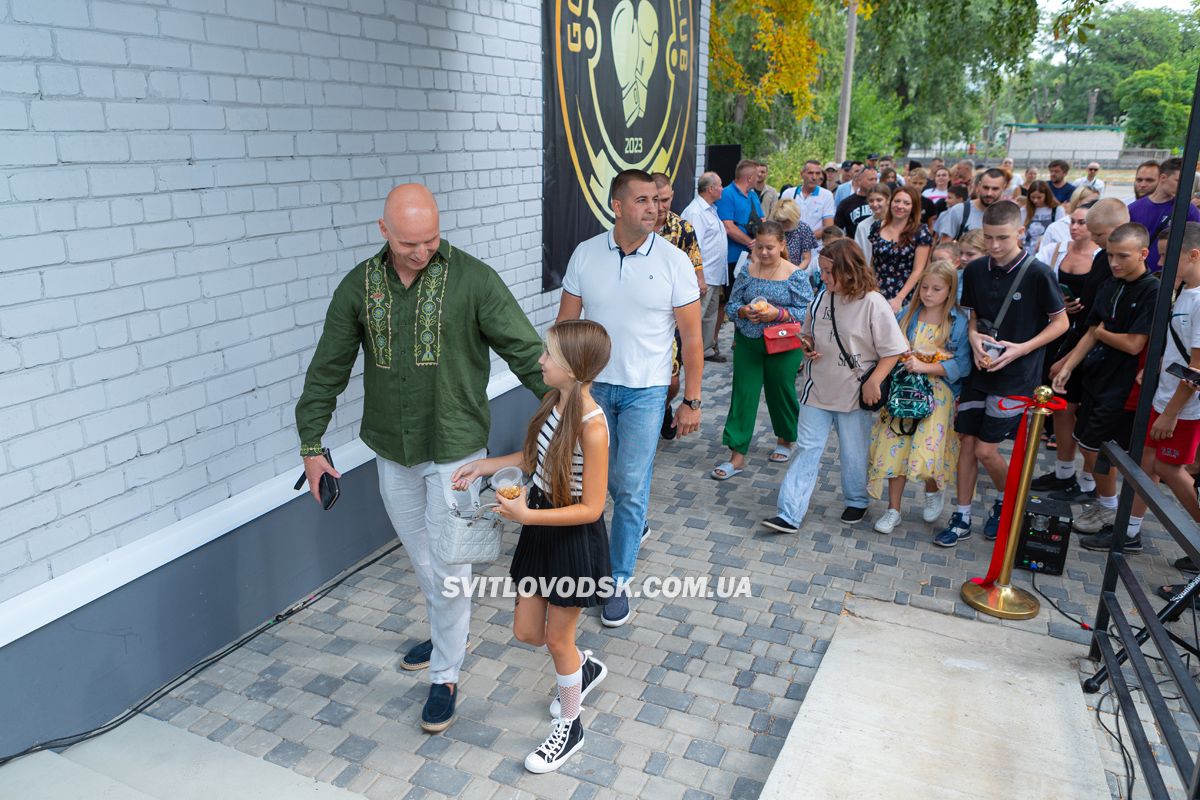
{"x":701,"y":692}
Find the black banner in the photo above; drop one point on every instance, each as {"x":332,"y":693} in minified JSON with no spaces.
{"x":620,"y":93}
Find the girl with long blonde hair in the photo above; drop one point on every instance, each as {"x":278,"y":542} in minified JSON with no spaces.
{"x":936,"y":330}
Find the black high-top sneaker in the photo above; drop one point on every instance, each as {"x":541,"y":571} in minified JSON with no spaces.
{"x":566,"y":736}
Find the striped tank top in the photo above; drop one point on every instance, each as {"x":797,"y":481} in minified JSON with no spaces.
{"x":544,"y":435}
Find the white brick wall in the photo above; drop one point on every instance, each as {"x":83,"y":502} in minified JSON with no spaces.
{"x":182,"y":185}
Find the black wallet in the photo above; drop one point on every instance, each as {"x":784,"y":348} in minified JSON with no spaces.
{"x":330,"y":489}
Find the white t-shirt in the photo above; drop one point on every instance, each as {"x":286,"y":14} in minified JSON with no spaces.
{"x":814,"y":208}
{"x":634,"y":297}
{"x":948,"y":223}
{"x":1011,"y":190}
{"x":1185,"y":321}
{"x":869,"y":332}
{"x":1057,"y":231}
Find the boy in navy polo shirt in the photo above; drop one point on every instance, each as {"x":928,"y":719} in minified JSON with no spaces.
{"x":1118,"y":328}
{"x":1008,"y":351}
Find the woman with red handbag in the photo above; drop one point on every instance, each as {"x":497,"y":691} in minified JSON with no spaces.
{"x":767,"y":303}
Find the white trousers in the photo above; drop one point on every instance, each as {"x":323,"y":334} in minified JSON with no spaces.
{"x":417,"y":500}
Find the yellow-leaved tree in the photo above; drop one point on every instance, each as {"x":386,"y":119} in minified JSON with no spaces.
{"x":761,"y":50}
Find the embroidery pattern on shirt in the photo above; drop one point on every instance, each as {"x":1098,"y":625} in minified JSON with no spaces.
{"x":428,"y":342}
{"x":379,"y":312}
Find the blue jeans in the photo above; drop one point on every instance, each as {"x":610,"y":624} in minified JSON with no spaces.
{"x":854,"y":432}
{"x":635,"y":419}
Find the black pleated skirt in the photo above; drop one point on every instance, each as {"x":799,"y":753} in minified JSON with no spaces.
{"x":545,"y":552}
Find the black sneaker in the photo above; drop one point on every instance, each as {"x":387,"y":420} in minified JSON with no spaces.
{"x":1186,"y":565}
{"x":1050,"y":482}
{"x":645,"y":530}
{"x":593,"y":672}
{"x":439,"y":708}
{"x":779,"y":524}
{"x":566,"y":736}
{"x":668,"y":426}
{"x":1072,"y":493}
{"x":1103,"y":541}
{"x":418,"y":656}
{"x":853,"y":514}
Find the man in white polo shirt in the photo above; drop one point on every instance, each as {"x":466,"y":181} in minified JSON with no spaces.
{"x":702,"y":213}
{"x":816,"y":204}
{"x":639,"y":287}
{"x":1093,"y":179}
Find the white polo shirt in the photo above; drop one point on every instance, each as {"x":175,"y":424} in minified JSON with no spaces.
{"x":634,"y":297}
{"x":714,"y":239}
{"x":814,"y":208}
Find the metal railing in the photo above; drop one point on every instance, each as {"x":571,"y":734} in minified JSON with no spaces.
{"x":1111,"y":613}
{"x":1178,"y":525}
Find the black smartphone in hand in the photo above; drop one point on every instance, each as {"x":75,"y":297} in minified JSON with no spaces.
{"x":1183,"y":373}
{"x":328,"y":486}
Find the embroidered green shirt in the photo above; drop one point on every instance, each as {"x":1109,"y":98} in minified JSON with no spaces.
{"x":426,"y":362}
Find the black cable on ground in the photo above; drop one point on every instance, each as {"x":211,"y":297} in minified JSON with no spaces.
{"x":196,"y":669}
{"x":1054,"y":605}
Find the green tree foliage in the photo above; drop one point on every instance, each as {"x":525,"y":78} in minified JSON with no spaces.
{"x":940,"y":59}
{"x":1120,"y":41}
{"x":1156,"y":102}
{"x":922,"y":71}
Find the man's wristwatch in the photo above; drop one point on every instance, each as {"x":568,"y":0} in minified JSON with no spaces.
{"x":692,"y":404}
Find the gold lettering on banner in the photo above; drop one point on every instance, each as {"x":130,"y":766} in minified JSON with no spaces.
{"x":642,"y":52}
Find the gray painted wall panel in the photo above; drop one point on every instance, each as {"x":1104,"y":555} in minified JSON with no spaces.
{"x":84,"y":669}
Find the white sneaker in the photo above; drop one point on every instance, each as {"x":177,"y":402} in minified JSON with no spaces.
{"x":935,"y":503}
{"x":1095,"y":518}
{"x":887,"y":523}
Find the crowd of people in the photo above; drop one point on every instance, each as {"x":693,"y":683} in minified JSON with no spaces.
{"x":899,"y":309}
{"x":949,"y":258}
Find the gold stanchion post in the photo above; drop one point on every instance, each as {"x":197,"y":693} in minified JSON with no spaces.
{"x":1002,"y":599}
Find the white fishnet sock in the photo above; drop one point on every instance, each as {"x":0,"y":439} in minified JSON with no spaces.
{"x":569,"y":688}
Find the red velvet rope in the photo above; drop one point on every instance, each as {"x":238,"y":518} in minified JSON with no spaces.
{"x":1012,"y":483}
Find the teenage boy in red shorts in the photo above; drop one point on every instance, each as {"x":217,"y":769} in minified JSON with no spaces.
{"x":1174,"y":432}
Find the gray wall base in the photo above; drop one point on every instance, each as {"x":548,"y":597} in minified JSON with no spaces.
{"x":87,"y":667}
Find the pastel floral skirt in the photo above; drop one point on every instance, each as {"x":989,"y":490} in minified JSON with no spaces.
{"x":931,"y":452}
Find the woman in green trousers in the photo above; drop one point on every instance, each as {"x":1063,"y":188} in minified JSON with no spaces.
{"x":770,"y":291}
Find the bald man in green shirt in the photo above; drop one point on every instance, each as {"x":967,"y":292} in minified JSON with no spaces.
{"x":424,"y":315}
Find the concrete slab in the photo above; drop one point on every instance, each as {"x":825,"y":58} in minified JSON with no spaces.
{"x":164,"y":761}
{"x":46,"y":776}
{"x":912,"y":703}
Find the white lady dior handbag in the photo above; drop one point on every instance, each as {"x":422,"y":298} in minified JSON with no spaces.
{"x":471,"y":531}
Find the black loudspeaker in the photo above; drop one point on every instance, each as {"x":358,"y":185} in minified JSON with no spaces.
{"x":1045,"y":536}
{"x":723,"y":160}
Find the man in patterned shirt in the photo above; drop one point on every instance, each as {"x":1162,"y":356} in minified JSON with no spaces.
{"x":679,"y":232}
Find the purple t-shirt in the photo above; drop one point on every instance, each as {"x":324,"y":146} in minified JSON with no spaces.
{"x":1154,"y":217}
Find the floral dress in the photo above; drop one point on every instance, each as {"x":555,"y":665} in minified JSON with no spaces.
{"x":892,"y":263}
{"x":800,"y":240}
{"x":932,"y":450}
